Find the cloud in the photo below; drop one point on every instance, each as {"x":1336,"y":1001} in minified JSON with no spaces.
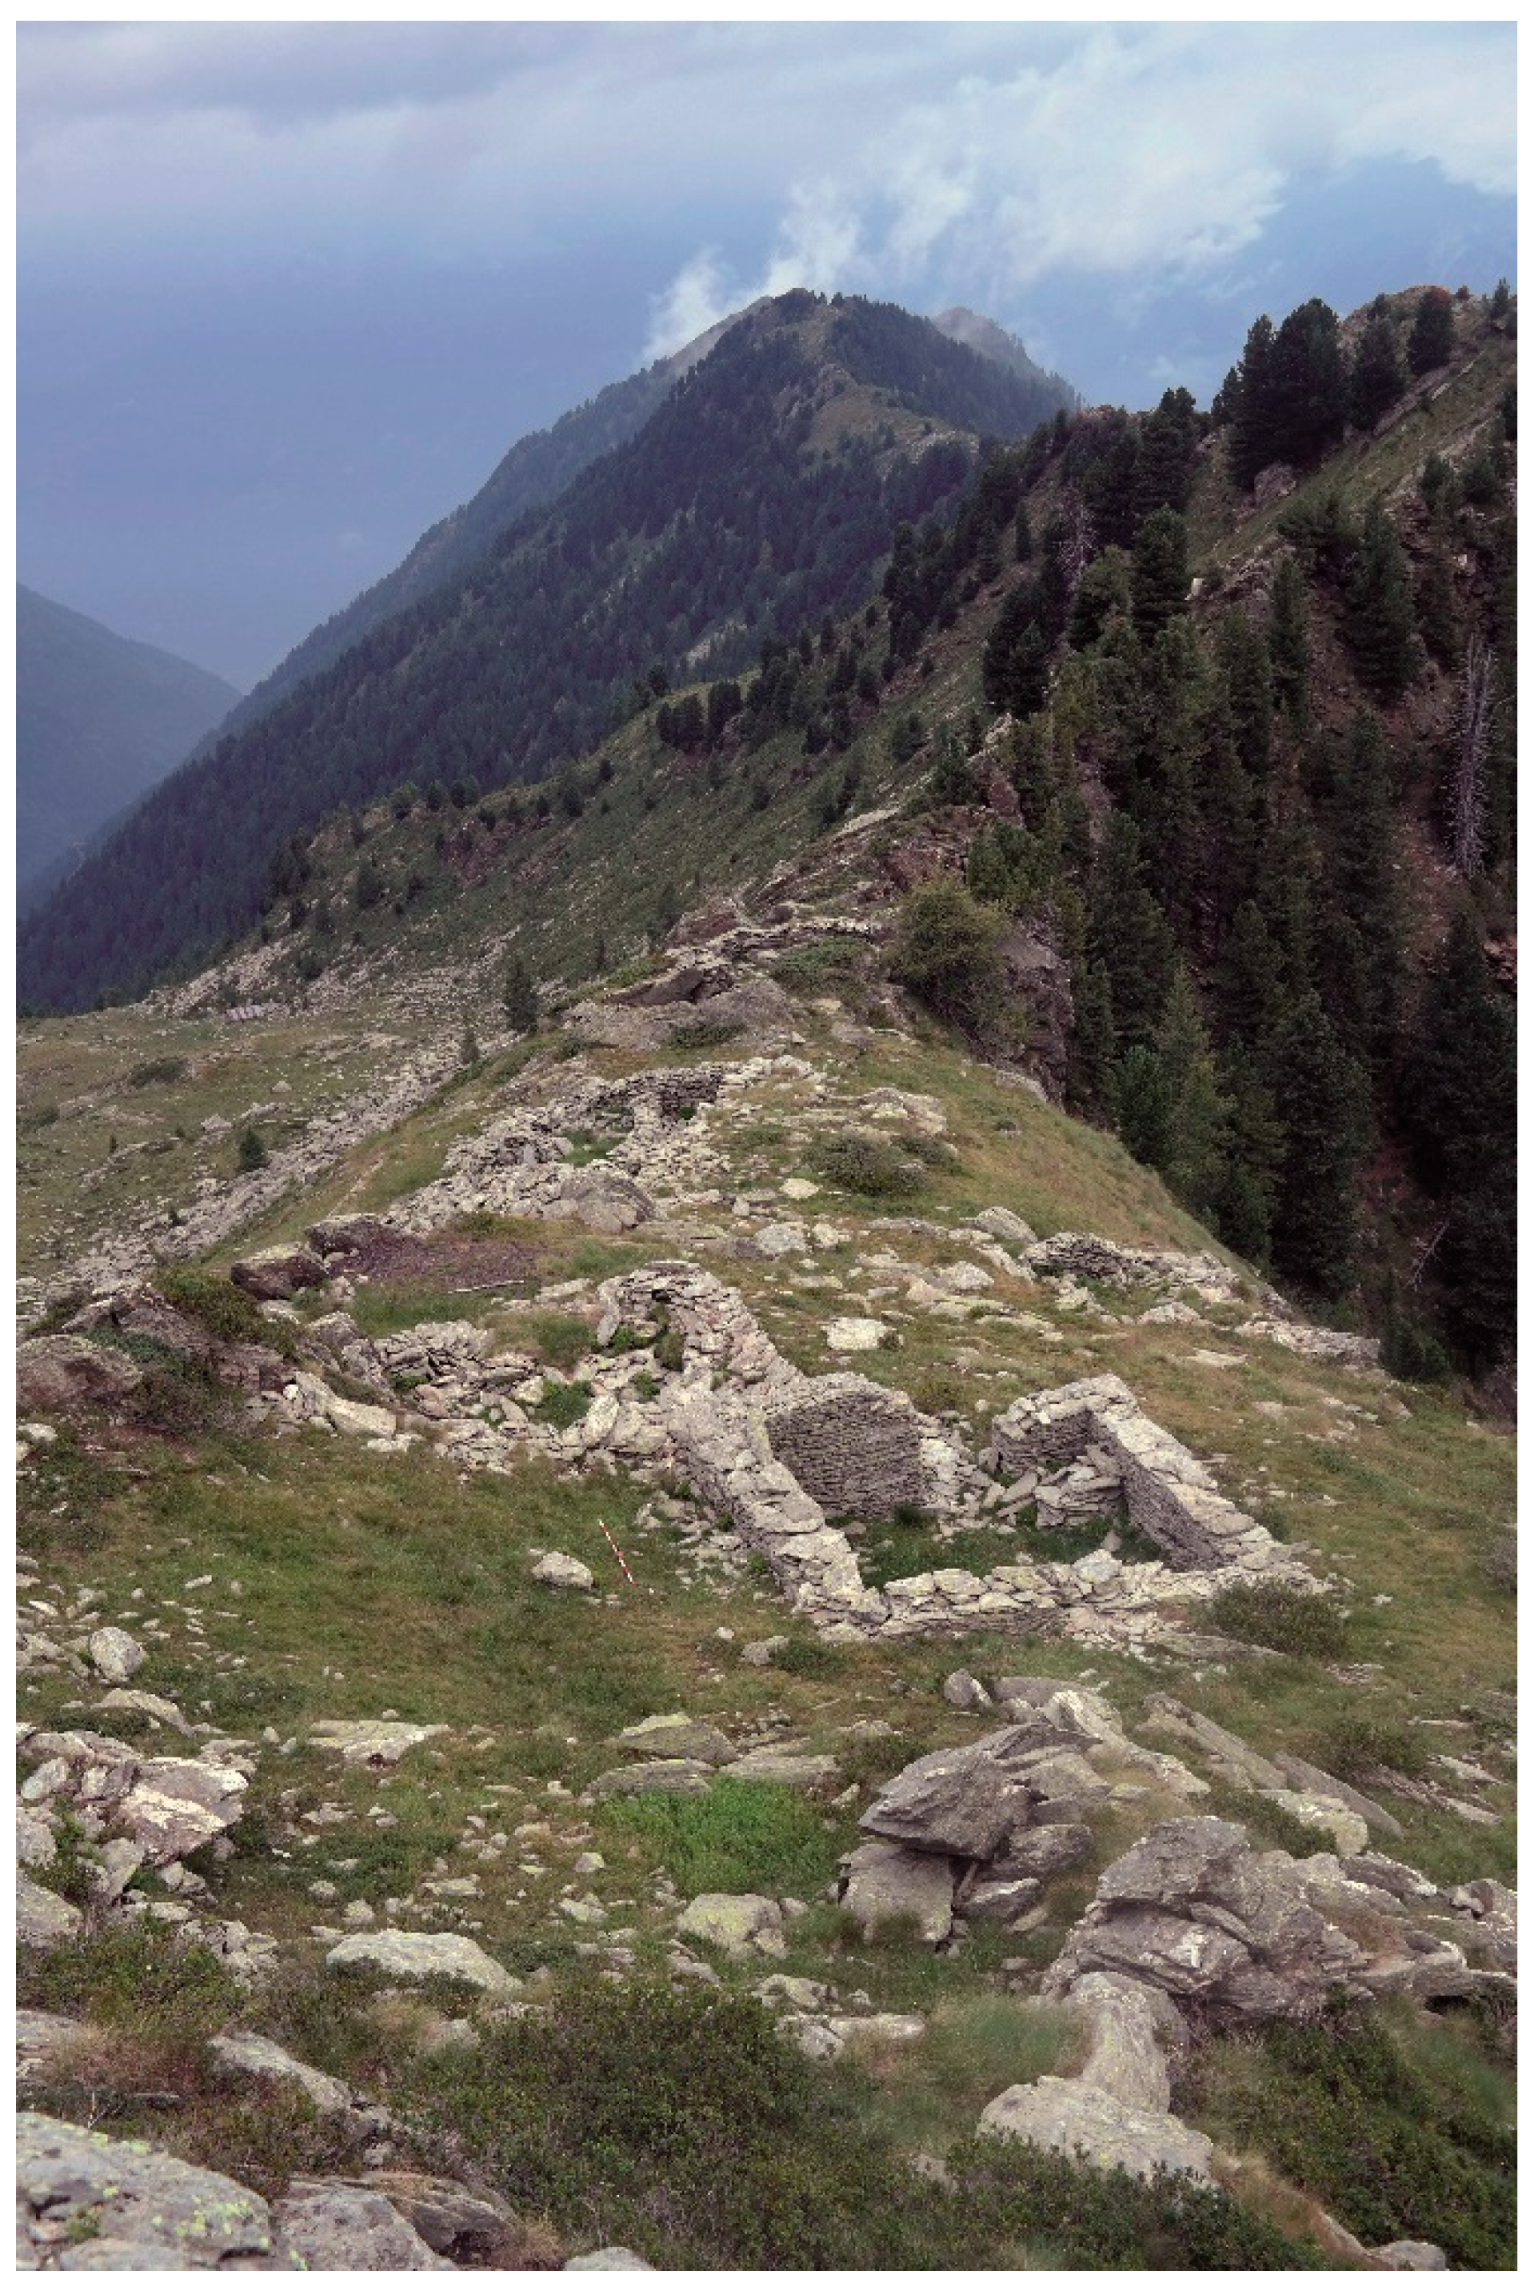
{"x":1165,"y":151}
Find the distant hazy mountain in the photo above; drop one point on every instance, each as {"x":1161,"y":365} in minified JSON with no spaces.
{"x":990,"y":340}
{"x":99,"y":720}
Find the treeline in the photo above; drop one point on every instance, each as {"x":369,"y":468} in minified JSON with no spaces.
{"x":716,"y":526}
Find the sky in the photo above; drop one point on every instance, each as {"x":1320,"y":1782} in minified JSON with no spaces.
{"x":287,"y":292}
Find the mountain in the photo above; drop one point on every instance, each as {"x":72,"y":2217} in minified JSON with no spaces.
{"x":760,"y":496}
{"x":535,"y":470}
{"x":99,"y":720}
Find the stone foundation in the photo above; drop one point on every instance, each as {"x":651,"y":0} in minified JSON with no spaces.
{"x":852,"y":1445}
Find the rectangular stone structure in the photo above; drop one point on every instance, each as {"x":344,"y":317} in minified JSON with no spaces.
{"x":852,"y":1445}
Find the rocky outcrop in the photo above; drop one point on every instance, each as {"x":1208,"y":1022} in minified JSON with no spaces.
{"x":133,"y":2208}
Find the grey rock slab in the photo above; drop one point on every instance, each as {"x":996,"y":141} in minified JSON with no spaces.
{"x":1411,"y":2255}
{"x":43,"y":1919}
{"x":677,"y":1738}
{"x":662,"y":1778}
{"x":1133,"y":2032}
{"x":373,"y":1742}
{"x":42,"y":2039}
{"x":608,"y":2259}
{"x":175,"y":1805}
{"x":337,"y":2227}
{"x":961,"y":1801}
{"x":275,"y":1274}
{"x":135,"y":2195}
{"x":1307,"y":1779}
{"x":1042,"y":1851}
{"x":470,"y":2227}
{"x":785,"y":1767}
{"x":251,"y":2056}
{"x":416,"y":1955}
{"x":883,"y":1882}
{"x":1089,"y":2124}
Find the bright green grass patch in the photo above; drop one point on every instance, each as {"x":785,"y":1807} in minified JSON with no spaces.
{"x":971,"y":2052}
{"x":558,"y":1338}
{"x":742,"y":1834}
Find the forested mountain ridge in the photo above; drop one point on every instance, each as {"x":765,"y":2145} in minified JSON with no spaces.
{"x":99,"y":718}
{"x":762,"y":494}
{"x":1226,"y":766}
{"x":535,"y":470}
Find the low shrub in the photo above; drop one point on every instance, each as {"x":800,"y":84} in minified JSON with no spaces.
{"x":1395,"y":2149}
{"x":564,"y":1403}
{"x":1281,"y":1619}
{"x":226,"y":1312}
{"x":1356,"y":1744}
{"x":808,"y":1656}
{"x":705,"y":1032}
{"x":682,"y":2125}
{"x":873,"y":1167}
{"x":157,"y":1068}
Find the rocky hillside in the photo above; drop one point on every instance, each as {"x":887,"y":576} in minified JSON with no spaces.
{"x":722,"y":1640}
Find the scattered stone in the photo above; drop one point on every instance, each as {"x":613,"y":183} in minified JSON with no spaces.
{"x":856,"y":1333}
{"x":608,"y":2259}
{"x":736,"y":1924}
{"x":677,"y":1738}
{"x":658,"y":1778}
{"x":43,"y":1919}
{"x":115,"y":1655}
{"x":377,"y":1743}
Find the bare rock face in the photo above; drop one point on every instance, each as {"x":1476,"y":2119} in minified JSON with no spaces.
{"x":277,"y":1273}
{"x":43,"y":1919}
{"x":414,"y":1955}
{"x":963,"y":1801}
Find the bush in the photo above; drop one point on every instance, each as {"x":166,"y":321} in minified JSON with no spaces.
{"x":564,"y":1403}
{"x":1411,"y":1352}
{"x":252,"y":1151}
{"x":705,"y":1032}
{"x":1358,"y":1744}
{"x":157,"y":1068}
{"x":1282,"y":1619}
{"x":559,"y":1338}
{"x":873,"y":1167}
{"x":224,"y":1310}
{"x":947,"y":954}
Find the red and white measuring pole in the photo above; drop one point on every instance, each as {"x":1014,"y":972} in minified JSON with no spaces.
{"x":616,"y":1552}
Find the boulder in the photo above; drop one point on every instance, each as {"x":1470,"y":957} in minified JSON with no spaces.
{"x":962,"y":1801}
{"x":608,"y":2259}
{"x":56,"y":1371}
{"x":133,"y":2208}
{"x":338,"y":2227}
{"x":988,"y":1896}
{"x":276,"y":1274}
{"x":115,"y":1655}
{"x":1133,"y":2032}
{"x":1411,"y":2255}
{"x":1010,"y":1230}
{"x":475,"y":2229}
{"x":555,"y":1570}
{"x":43,"y":2041}
{"x":882,"y":1882}
{"x":418,"y":1955}
{"x":856,"y":1333}
{"x":1088,"y":2123}
{"x":1042,"y":1851}
{"x":746,"y":1923}
{"x":785,"y":1767}
{"x":345,"y":1234}
{"x":175,"y":1805}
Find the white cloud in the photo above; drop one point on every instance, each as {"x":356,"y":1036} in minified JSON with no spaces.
{"x":1166,"y":150}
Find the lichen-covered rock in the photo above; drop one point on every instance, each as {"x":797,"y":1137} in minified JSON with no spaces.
{"x":251,"y":2056}
{"x":43,"y":1918}
{"x":378,"y":1743}
{"x":555,"y":1570}
{"x":115,"y":1655}
{"x":134,"y":2208}
{"x":745,"y":1923}
{"x":962,"y":1801}
{"x":677,"y":1738}
{"x":680,"y":1777}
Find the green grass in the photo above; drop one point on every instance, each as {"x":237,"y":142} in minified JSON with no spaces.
{"x":742,"y":1834}
{"x":557,"y":1338}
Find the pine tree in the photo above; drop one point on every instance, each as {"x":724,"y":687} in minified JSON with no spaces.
{"x":1244,"y":658}
{"x":1463,"y":1100}
{"x":1307,"y":385}
{"x":1015,"y":671}
{"x":1361,"y":872}
{"x":1250,"y":984}
{"x":1249,"y":394}
{"x":1379,"y":610}
{"x":1129,"y":936}
{"x":1321,"y":1098}
{"x":1195,"y":1160}
{"x":1093,"y":1048}
{"x":1170,"y":438}
{"x":521,"y":1012}
{"x":1141,"y":1099}
{"x":1432,"y":341}
{"x":1290,"y":643}
{"x":1376,"y":378}
{"x":1160,"y":572}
